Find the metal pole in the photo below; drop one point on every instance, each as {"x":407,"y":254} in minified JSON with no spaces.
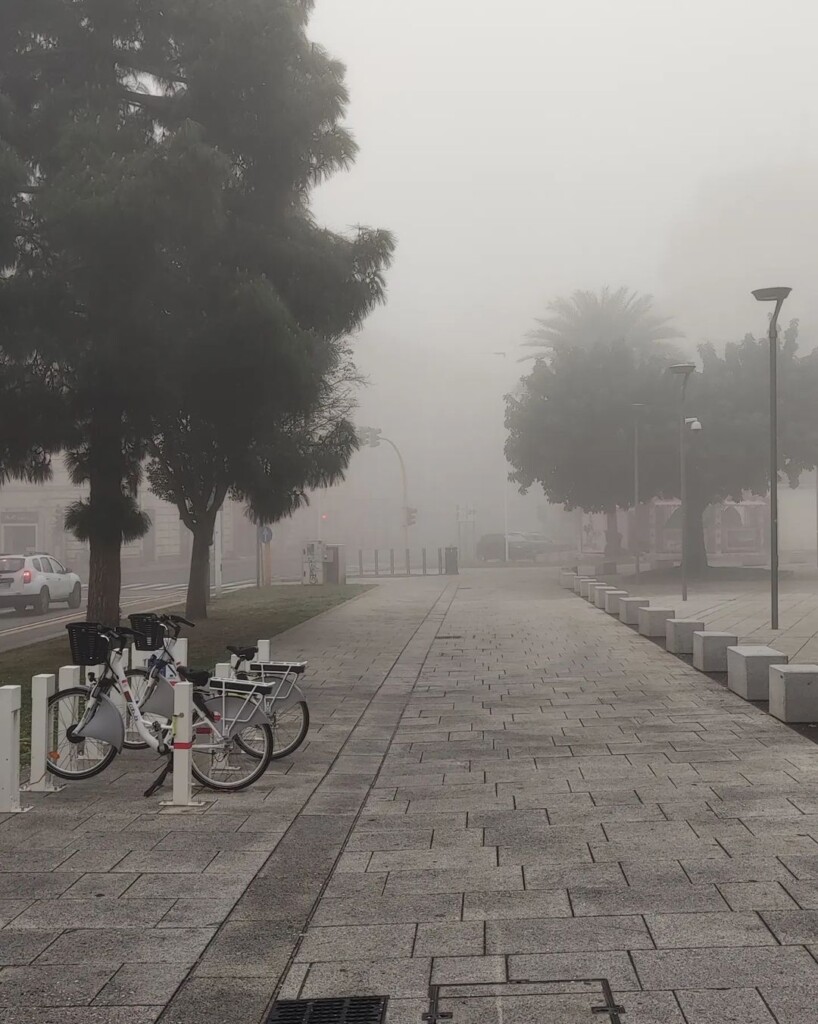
{"x":405,"y":489}
{"x":683,"y":458}
{"x":408,"y":563}
{"x":774,"y":468}
{"x":636,"y":485}
{"x":505,"y":515}
{"x":218,"y":553}
{"x":360,"y":562}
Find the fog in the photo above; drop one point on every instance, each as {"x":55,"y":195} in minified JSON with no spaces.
{"x":523,"y":150}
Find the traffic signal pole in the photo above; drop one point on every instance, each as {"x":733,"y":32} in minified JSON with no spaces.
{"x":405,"y":488}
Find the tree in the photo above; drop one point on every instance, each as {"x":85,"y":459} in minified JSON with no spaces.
{"x":259,"y":309}
{"x":169,"y":150}
{"x":590,"y":318}
{"x":731,"y":398}
{"x":78,"y":303}
{"x":571,"y":427}
{"x":616,"y":325}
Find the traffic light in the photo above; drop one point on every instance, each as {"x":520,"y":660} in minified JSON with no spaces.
{"x":411,"y":516}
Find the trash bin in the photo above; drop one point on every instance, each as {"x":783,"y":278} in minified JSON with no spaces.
{"x":450,"y":562}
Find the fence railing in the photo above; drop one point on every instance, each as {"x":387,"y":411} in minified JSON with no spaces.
{"x":380,"y":562}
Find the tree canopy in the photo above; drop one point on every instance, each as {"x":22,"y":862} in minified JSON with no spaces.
{"x":571,"y":426}
{"x":167,"y":283}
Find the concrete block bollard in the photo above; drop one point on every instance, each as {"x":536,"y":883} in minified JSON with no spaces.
{"x":629,"y":609}
{"x":584,"y":585}
{"x":599,"y":595}
{"x":679,"y":635}
{"x":179,"y":649}
{"x":40,"y":779}
{"x":710,"y":650}
{"x":10,"y":704}
{"x":612,"y":599}
{"x":567,"y":578}
{"x":653,"y":621}
{"x":794,"y":693}
{"x":590,"y":597}
{"x":748,"y":670}
{"x":579,"y":581}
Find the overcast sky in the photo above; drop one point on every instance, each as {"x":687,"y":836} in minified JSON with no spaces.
{"x":525,"y":148}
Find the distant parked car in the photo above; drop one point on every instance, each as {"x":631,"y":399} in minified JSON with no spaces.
{"x":37,"y":580}
{"x":492,"y":547}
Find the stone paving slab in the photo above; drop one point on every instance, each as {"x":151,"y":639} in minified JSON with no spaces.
{"x":502,"y":783}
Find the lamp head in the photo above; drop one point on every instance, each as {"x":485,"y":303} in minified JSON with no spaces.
{"x":683,"y":369}
{"x":771,"y":294}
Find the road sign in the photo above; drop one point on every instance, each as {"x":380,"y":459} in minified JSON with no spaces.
{"x":266,"y":534}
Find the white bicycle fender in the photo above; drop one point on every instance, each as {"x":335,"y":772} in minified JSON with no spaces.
{"x":105,"y":723}
{"x":295,"y":696}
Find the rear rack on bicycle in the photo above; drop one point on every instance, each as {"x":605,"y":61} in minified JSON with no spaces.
{"x":277,"y":668}
{"x":242,"y":686}
{"x":88,"y":646}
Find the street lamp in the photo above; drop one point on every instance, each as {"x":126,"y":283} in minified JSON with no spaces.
{"x":776,"y":295}
{"x":637,"y":409}
{"x":683,"y":371}
{"x":373,"y":436}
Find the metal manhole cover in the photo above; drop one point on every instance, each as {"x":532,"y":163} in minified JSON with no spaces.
{"x":569,"y":1001}
{"x":352,"y":1010}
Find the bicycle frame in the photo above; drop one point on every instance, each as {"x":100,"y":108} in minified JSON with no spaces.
{"x":102,"y":719}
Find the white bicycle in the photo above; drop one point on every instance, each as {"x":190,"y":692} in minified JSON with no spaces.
{"x":86,"y":729}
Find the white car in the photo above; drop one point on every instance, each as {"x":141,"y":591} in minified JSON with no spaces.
{"x":37,"y":580}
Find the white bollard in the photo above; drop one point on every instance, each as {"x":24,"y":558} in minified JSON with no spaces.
{"x":40,"y":779}
{"x":182,"y":748}
{"x":10,"y":703}
{"x":265,"y":650}
{"x":180,"y":651}
{"x":224,"y":670}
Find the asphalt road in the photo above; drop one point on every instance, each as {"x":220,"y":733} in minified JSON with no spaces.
{"x":17,"y":629}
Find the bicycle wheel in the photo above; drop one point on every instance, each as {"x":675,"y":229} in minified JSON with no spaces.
{"x":290,"y":728}
{"x":230,"y":764}
{"x":140,"y":684}
{"x":67,"y":758}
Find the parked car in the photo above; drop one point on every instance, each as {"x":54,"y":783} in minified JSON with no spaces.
{"x":492,"y":547}
{"x":37,"y":580}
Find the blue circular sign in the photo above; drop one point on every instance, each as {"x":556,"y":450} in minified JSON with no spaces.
{"x":266,"y":535}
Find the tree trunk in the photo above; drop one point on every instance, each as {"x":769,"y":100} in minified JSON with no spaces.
{"x":198,"y":587}
{"x":695,"y":546}
{"x":105,"y":502}
{"x":613,"y":538}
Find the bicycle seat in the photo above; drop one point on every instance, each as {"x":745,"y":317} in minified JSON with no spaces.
{"x":245,"y":653}
{"x":198,"y":676}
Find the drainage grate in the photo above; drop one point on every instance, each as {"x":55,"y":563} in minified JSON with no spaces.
{"x":354,"y":1010}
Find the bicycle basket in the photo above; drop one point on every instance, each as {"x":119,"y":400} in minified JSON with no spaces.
{"x":88,"y":647}
{"x":151,"y":629}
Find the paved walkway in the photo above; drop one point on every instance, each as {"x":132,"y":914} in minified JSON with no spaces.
{"x":502,"y":783}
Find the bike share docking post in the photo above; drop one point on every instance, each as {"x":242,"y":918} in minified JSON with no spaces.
{"x":265,"y":650}
{"x":183,"y":749}
{"x":10,"y":704}
{"x":40,"y":780}
{"x":179,"y":650}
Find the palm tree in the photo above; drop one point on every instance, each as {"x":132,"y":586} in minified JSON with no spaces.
{"x":590,"y":318}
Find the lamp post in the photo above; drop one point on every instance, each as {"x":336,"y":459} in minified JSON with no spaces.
{"x":373,"y":437}
{"x":776,"y":295}
{"x":683,"y":371}
{"x":637,"y":409}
